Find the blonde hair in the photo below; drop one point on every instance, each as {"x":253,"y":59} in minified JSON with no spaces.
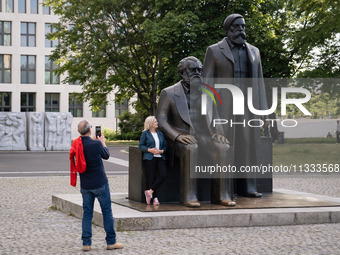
{"x":148,"y":122}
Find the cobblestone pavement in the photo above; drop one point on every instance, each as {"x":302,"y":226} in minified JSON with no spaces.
{"x":29,"y":226}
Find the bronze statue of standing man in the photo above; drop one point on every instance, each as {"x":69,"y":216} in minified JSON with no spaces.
{"x":234,"y":61}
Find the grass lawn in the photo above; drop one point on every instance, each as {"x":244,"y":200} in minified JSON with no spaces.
{"x":306,"y":153}
{"x":310,"y":140}
{"x":293,"y":151}
{"x":122,"y":143}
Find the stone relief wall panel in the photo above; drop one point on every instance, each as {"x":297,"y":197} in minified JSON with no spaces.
{"x":57,"y":131}
{"x":35,"y":131}
{"x":44,"y":131}
{"x":12,"y":131}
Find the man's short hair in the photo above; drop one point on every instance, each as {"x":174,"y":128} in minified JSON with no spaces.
{"x":183,"y":64}
{"x":230,"y":20}
{"x":84,"y":127}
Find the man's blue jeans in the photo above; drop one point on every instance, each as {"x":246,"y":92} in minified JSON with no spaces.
{"x":104,"y":198}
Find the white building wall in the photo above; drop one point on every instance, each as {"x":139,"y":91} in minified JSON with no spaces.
{"x":307,"y":128}
{"x":40,"y":51}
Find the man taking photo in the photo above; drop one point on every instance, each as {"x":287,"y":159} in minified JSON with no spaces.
{"x":93,"y":183}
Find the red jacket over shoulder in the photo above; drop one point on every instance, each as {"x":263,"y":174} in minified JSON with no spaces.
{"x":79,"y":164}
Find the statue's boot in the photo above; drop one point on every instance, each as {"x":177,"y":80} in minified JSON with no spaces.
{"x":194,"y":203}
{"x":248,"y":188}
{"x":221,"y":192}
{"x":188,"y":193}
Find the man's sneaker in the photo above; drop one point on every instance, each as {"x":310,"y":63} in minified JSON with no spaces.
{"x":86,"y":248}
{"x":148,"y":197}
{"x":155,"y":201}
{"x":115,"y":246}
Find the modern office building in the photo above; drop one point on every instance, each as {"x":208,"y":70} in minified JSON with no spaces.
{"x":27,"y":83}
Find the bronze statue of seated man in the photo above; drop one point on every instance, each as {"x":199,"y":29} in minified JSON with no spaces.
{"x":188,"y":133}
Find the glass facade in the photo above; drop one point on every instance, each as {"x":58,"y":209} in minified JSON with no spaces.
{"x":28,"y":69}
{"x":27,"y":80}
{"x":121,"y":107}
{"x":34,"y":6}
{"x":75,"y":105}
{"x":52,"y":102}
{"x":50,"y":43}
{"x":46,"y":9}
{"x":50,"y":77}
{"x":9,"y":5}
{"x":27,"y":38}
{"x":5,"y":33}
{"x":27,"y":102}
{"x":5,"y":101}
{"x":22,"y":6}
{"x":101,"y":113}
{"x":5,"y":69}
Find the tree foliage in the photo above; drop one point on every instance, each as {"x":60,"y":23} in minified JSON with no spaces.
{"x":104,"y":47}
{"x":315,"y":25}
{"x":131,"y":126}
{"x":133,"y":47}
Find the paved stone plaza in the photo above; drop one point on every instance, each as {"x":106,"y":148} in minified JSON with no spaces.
{"x":29,"y":226}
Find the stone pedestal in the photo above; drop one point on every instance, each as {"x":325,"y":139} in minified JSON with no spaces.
{"x":137,"y":175}
{"x":12,"y":131}
{"x":264,"y":181}
{"x":169,"y":191}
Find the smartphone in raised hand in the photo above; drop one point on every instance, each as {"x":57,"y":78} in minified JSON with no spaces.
{"x":98,"y":131}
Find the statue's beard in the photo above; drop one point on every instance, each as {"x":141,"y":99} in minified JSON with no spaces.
{"x":238,"y":38}
{"x":195,"y":80}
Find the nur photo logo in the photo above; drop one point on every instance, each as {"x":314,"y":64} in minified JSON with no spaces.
{"x":239,"y":104}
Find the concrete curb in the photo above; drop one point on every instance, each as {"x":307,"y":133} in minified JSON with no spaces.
{"x":129,"y":219}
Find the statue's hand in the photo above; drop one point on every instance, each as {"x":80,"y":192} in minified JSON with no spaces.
{"x":186,"y":139}
{"x":220,"y":139}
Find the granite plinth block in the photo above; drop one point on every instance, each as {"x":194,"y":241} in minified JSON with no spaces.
{"x":307,"y":209}
{"x":264,"y":182}
{"x":169,"y":191}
